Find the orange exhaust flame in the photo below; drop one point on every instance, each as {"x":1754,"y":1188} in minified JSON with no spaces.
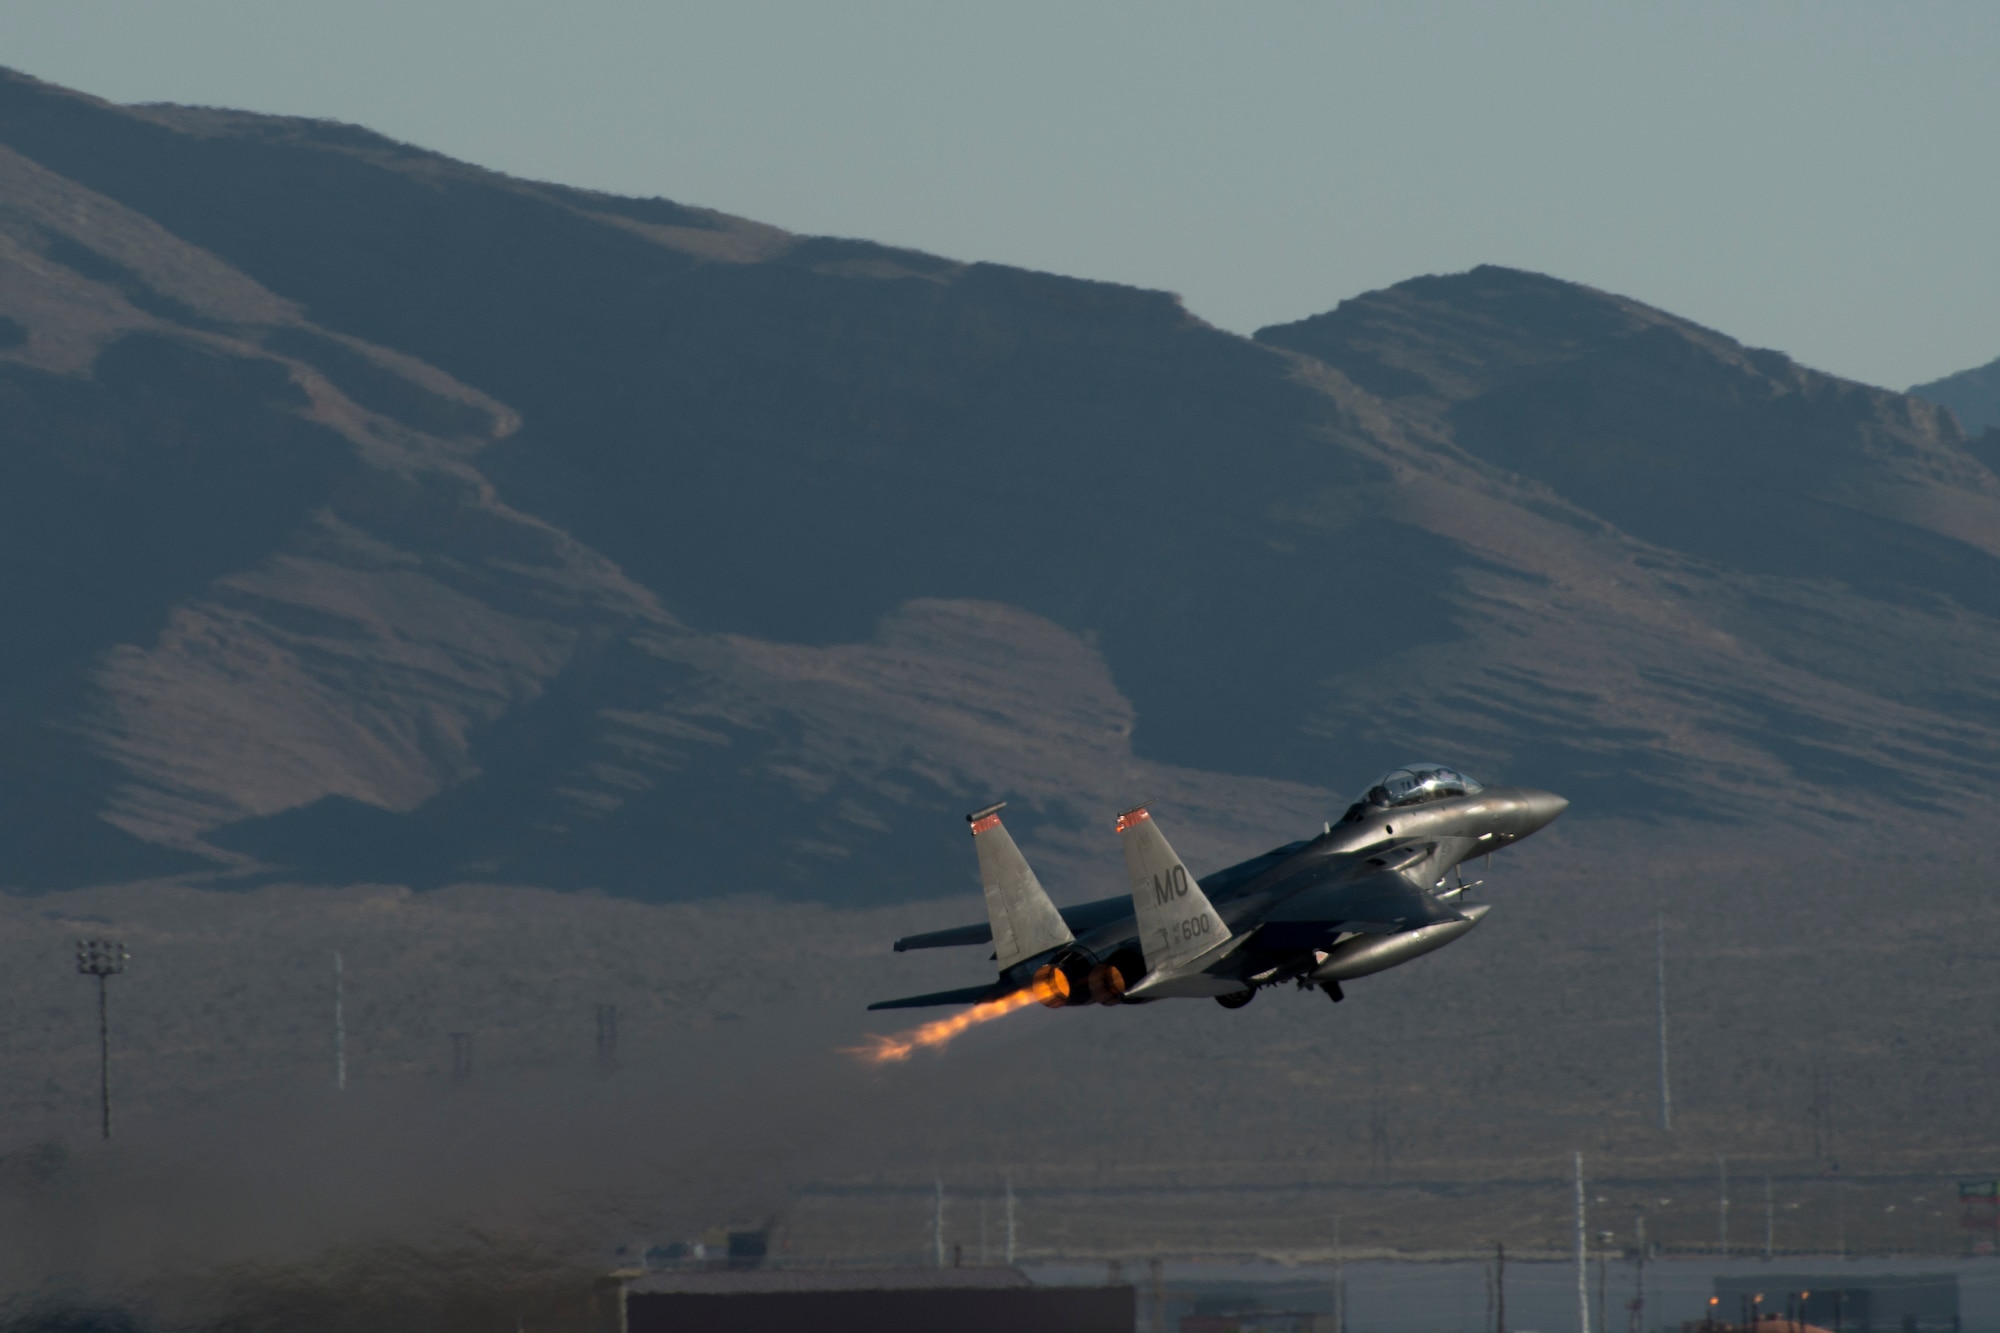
{"x":883,"y":1050}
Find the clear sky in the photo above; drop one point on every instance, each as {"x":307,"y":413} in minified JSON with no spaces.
{"x":1818,"y":178}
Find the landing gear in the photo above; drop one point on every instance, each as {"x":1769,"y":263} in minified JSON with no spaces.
{"x":1333,"y":991}
{"x":1237,"y":1000}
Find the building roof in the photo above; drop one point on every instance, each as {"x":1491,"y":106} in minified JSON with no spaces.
{"x":760,"y":1280}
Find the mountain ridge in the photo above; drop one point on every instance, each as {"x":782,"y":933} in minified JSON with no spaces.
{"x":1972,"y":395}
{"x":603,"y":484}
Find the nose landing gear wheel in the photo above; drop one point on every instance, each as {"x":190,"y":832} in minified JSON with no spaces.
{"x":1237,"y":1000}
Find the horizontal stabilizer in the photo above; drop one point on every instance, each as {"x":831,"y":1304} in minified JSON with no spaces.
{"x":1080,"y":918}
{"x":947,"y":939}
{"x":968,"y":995}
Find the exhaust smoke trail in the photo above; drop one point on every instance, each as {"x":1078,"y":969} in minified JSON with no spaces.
{"x":883,"y":1050}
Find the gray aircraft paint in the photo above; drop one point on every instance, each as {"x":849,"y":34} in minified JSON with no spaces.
{"x":1179,"y":929}
{"x":1025,"y":923}
{"x":1370,"y":892}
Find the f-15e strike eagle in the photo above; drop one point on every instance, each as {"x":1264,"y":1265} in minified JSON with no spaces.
{"x":1378,"y":888}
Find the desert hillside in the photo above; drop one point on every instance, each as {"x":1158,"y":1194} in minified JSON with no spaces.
{"x":371,"y":516}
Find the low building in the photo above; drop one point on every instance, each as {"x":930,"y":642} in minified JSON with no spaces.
{"x":1849,"y":1303}
{"x":882,"y":1300}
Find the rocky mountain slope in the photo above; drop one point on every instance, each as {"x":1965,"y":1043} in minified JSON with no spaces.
{"x":1972,"y":395}
{"x":371,"y":516}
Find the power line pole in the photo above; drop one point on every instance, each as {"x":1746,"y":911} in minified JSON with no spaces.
{"x":1722,"y":1203}
{"x":1660,"y":979}
{"x":937,"y":1222}
{"x":1339,"y":1281}
{"x":339,"y":1023}
{"x":1639,"y":1280}
{"x":607,"y":1038}
{"x":1582,"y":1256}
{"x":1010,"y":1224}
{"x":1603,"y":1279}
{"x":102,"y":959}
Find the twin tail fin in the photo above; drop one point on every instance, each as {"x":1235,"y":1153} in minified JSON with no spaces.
{"x":1177,"y":923}
{"x":1025,"y":922}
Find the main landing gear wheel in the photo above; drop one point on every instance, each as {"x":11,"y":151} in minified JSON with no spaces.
{"x":1237,"y":1000}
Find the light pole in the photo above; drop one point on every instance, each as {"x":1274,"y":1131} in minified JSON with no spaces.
{"x":102,"y":959}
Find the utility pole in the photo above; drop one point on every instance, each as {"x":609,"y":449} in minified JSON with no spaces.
{"x":1722,"y":1203}
{"x":1770,"y":1221}
{"x":1660,"y":979}
{"x":1639,"y":1288}
{"x":1010,"y":1224}
{"x":607,"y":1038}
{"x":1487,"y":1322}
{"x":937,"y":1223}
{"x":1500,"y":1287}
{"x":1840,"y":1219}
{"x":102,"y":959}
{"x":1582,"y":1256}
{"x":339,"y":1024}
{"x":1603,"y":1279}
{"x":1339,"y":1282}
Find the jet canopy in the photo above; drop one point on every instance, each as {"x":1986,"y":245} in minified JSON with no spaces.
{"x":1413,"y":784}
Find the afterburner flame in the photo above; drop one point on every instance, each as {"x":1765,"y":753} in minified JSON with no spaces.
{"x":883,"y":1050}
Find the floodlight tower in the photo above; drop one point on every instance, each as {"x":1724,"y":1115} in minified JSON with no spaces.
{"x":102,"y":959}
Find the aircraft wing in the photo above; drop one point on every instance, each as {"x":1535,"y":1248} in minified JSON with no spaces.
{"x":968,"y":995}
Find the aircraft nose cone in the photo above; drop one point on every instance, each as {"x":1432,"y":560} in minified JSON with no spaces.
{"x":1542,"y":807}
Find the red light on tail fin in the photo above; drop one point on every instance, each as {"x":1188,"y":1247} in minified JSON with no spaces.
{"x":989,"y":818}
{"x":1131,"y":817}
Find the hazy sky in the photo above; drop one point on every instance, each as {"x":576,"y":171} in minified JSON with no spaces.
{"x":1812,"y":177}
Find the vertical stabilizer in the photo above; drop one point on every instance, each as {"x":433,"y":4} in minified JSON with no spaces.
{"x":1025,"y":922}
{"x":1176,"y":921}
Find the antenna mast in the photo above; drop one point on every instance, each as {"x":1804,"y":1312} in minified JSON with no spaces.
{"x":1660,"y":979}
{"x":1582,"y":1256}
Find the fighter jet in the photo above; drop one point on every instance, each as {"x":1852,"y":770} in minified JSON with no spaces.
{"x":1383,"y":885}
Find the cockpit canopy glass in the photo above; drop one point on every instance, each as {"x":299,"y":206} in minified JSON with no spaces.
{"x":1413,"y":784}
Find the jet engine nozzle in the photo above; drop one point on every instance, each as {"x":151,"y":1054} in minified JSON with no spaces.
{"x":1365,"y":955}
{"x":1066,"y":981}
{"x":1107,"y":984}
{"x":1050,"y":985}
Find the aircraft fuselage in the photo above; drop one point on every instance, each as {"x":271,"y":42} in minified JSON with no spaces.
{"x":1377,"y":889}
